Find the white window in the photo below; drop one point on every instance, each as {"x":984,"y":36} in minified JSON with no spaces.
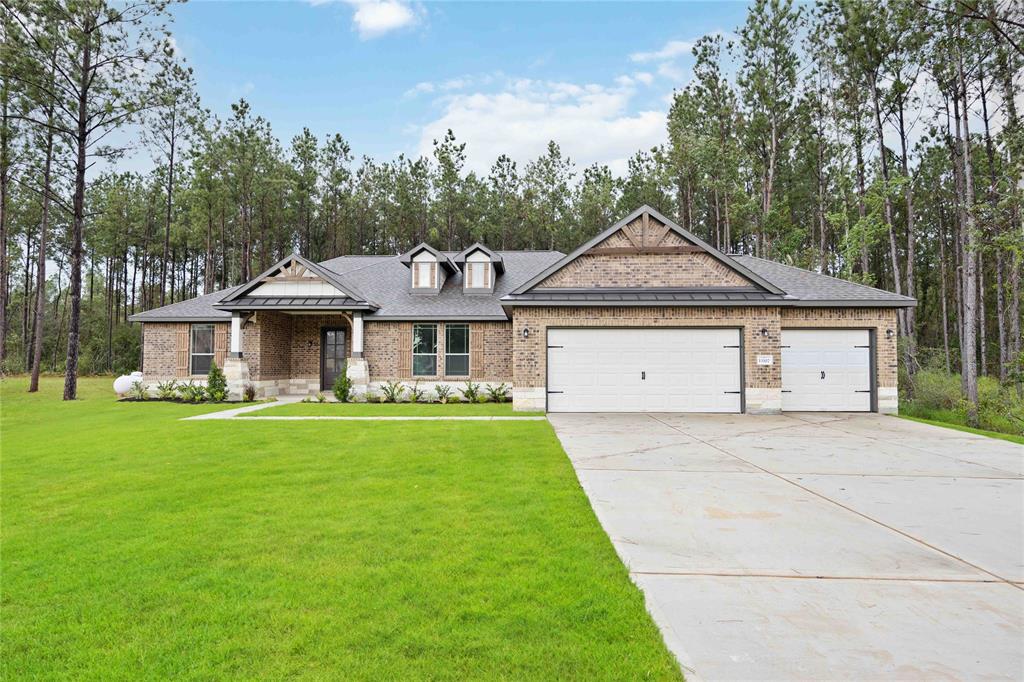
{"x":201,"y":348}
{"x":424,"y":350}
{"x":456,"y":350}
{"x":478,"y":275}
{"x":421,"y":275}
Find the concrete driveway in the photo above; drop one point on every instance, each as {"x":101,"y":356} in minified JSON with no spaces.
{"x":814,"y":546}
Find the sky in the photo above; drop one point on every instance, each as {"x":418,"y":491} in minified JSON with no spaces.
{"x":393,"y":75}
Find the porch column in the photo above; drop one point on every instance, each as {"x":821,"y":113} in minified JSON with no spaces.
{"x":236,"y":335}
{"x":236,"y":369}
{"x":357,"y":368}
{"x":357,"y":334}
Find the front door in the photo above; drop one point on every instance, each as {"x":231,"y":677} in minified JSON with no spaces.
{"x":332,"y":356}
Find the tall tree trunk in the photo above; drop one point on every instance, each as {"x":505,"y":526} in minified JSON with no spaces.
{"x":910,"y":314}
{"x":943,"y":284}
{"x":993,"y":198}
{"x":887,"y":203}
{"x":5,"y":176}
{"x":40,"y":326}
{"x":78,"y":218}
{"x":969,"y":359}
{"x":858,"y":141}
{"x":170,"y":199}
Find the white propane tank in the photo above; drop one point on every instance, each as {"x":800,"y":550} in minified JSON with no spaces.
{"x":123,"y":383}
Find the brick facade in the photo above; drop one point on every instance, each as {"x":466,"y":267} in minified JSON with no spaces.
{"x":386,"y":345}
{"x":158,"y":351}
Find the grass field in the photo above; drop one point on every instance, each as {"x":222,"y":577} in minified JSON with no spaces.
{"x":392,"y":410}
{"x":138,"y":546}
{"x":966,"y":429}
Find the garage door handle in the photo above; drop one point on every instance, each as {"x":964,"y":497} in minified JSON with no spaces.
{"x":823,"y":375}
{"x":643,"y":376}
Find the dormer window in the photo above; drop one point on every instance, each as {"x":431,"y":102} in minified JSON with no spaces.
{"x":478,"y":275}
{"x":480,"y":266}
{"x":428,"y":269}
{"x":424,"y":273}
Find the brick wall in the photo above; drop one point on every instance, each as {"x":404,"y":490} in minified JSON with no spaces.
{"x":158,"y":351}
{"x":879,"y":319}
{"x":305,"y":343}
{"x":385,"y":343}
{"x":645,"y":270}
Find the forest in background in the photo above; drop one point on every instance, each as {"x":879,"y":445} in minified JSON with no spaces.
{"x":877,"y":142}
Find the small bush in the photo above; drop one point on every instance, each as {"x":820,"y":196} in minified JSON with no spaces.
{"x":342,"y":387}
{"x":392,"y":392}
{"x":248,"y":393}
{"x":443,"y":392}
{"x":483,"y":398}
{"x":499,"y":393}
{"x":138,"y":391}
{"x":417,"y":394}
{"x":936,"y":390}
{"x":167,"y":390}
{"x":216,"y":383}
{"x":471,"y":391}
{"x":191,"y":392}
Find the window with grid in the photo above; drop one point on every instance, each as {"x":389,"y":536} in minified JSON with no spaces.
{"x":421,"y":276}
{"x":424,"y":350}
{"x":456,"y":350}
{"x":201,"y":348}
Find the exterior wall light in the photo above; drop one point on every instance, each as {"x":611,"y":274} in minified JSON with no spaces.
{"x":526,"y":332}
{"x":889,"y":333}
{"x":764,"y":332}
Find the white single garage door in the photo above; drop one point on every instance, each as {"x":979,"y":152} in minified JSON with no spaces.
{"x":826,"y":370}
{"x":644,"y":370}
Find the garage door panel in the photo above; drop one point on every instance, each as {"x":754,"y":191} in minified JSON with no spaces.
{"x":644,"y":370}
{"x":826,"y":370}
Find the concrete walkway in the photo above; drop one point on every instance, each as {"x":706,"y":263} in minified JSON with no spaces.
{"x":231,"y":414}
{"x":814,"y":546}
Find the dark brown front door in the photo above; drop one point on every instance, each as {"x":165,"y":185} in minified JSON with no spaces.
{"x":332,"y":356}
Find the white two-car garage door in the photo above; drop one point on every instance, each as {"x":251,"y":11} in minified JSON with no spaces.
{"x":826,"y":370}
{"x":644,"y":370}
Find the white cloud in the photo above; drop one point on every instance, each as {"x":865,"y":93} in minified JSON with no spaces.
{"x":644,"y":77}
{"x":671,"y":50}
{"x":374,"y":18}
{"x":592,"y":123}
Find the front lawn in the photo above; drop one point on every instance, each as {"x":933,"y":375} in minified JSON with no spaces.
{"x":391,"y":409}
{"x":137,"y":546}
{"x":966,"y":429}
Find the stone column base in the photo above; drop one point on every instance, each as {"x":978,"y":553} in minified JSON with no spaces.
{"x":236,"y":371}
{"x":764,"y":400}
{"x":529,"y":399}
{"x":888,"y":400}
{"x":358,"y":372}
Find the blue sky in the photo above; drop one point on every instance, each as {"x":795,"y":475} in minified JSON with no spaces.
{"x":390,"y":75}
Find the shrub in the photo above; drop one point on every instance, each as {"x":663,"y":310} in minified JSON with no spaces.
{"x":248,"y":393}
{"x":216,"y":395}
{"x":444,"y":393}
{"x":499,"y":393}
{"x":167,"y":390}
{"x":936,"y":390}
{"x":417,"y":394}
{"x":471,"y":391}
{"x":342,"y":387}
{"x":216,"y":383}
{"x":392,"y":392}
{"x":192,"y":393}
{"x":320,"y":397}
{"x":138,"y":391}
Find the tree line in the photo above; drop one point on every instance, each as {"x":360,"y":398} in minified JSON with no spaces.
{"x":877,"y":142}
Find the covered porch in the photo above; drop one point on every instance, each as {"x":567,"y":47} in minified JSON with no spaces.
{"x":294,"y":352}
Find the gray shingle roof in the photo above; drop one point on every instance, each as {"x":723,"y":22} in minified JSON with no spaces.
{"x":811,"y":288}
{"x":384,"y":281}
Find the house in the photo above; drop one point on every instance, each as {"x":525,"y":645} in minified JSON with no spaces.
{"x":643,"y":317}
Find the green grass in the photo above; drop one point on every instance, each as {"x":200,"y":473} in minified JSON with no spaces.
{"x":967,"y":429}
{"x":392,"y":409}
{"x":138,"y":546}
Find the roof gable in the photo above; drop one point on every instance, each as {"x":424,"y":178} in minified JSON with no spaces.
{"x":646,"y":231}
{"x":496,"y":260}
{"x":295,"y":276}
{"x":442,"y":258}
